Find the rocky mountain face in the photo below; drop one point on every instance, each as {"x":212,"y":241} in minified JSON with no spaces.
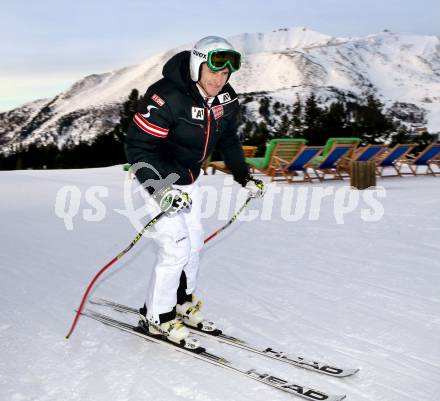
{"x":402,"y":70}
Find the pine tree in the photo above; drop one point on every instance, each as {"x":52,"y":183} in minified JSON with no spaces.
{"x":261,"y":137}
{"x":423,"y":140}
{"x":284,"y":129}
{"x":19,"y":158}
{"x":334,"y":121}
{"x":109,"y":146}
{"x":276,"y":108}
{"x":264,"y":108}
{"x":312,"y":121}
{"x":242,"y":114}
{"x":247,"y":132}
{"x":296,"y":123}
{"x":370,"y":122}
{"x":127,"y":113}
{"x":402,"y":136}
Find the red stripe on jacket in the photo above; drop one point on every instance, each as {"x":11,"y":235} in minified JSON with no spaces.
{"x":148,"y":127}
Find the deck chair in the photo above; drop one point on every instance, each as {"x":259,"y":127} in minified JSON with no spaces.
{"x":393,"y":158}
{"x":248,"y":151}
{"x":363,"y":154}
{"x":284,"y":148}
{"x":330,"y":163}
{"x":354,"y":141}
{"x":290,"y":169}
{"x":369,"y":152}
{"x":428,"y":157}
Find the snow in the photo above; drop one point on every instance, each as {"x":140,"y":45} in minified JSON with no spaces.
{"x":113,"y":86}
{"x":281,"y":40}
{"x":359,"y":294}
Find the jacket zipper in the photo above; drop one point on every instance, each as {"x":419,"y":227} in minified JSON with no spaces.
{"x":207,"y":134}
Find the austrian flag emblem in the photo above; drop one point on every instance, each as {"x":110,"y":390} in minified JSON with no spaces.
{"x":158,"y":100}
{"x":218,"y":111}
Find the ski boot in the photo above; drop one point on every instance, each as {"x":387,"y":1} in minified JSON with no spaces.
{"x":191,"y":315}
{"x":173,"y":331}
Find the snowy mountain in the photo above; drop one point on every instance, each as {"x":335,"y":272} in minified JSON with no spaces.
{"x":362,"y":294}
{"x":399,"y":68}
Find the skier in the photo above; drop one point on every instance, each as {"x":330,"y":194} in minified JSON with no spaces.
{"x":181,"y":119}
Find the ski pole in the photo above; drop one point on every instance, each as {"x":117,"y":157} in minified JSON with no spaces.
{"x":136,"y":239}
{"x":233,"y":218}
{"x":119,"y":256}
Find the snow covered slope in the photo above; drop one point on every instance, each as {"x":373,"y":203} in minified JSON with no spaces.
{"x":361,"y":294}
{"x":396,"y":67}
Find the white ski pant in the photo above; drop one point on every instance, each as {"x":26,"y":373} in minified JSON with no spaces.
{"x":180,"y":239}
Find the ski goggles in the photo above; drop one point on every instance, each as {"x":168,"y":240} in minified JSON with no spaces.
{"x":219,"y":59}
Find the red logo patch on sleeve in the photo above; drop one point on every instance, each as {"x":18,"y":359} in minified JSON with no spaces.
{"x":218,"y":111}
{"x":157,"y":99}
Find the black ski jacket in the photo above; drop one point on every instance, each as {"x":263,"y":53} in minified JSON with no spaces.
{"x":174,"y":130}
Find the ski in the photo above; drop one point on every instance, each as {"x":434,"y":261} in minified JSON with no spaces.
{"x":269,"y":352}
{"x":201,"y":354}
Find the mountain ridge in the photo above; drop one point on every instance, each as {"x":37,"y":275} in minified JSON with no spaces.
{"x":284,"y":63}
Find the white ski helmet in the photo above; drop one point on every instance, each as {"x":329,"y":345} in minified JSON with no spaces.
{"x":215,"y":51}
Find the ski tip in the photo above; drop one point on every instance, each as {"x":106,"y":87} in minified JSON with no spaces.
{"x":351,"y":372}
{"x":97,"y":301}
{"x":344,"y":373}
{"x":337,"y":397}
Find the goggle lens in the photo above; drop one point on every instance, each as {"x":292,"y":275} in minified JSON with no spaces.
{"x":220,"y":59}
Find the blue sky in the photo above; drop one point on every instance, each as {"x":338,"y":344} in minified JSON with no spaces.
{"x":47,"y":45}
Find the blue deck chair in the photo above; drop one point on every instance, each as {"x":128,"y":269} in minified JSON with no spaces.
{"x":290,"y":169}
{"x":428,"y":157}
{"x":392,"y":158}
{"x":331,"y":163}
{"x":363,"y":154}
{"x":369,"y":152}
